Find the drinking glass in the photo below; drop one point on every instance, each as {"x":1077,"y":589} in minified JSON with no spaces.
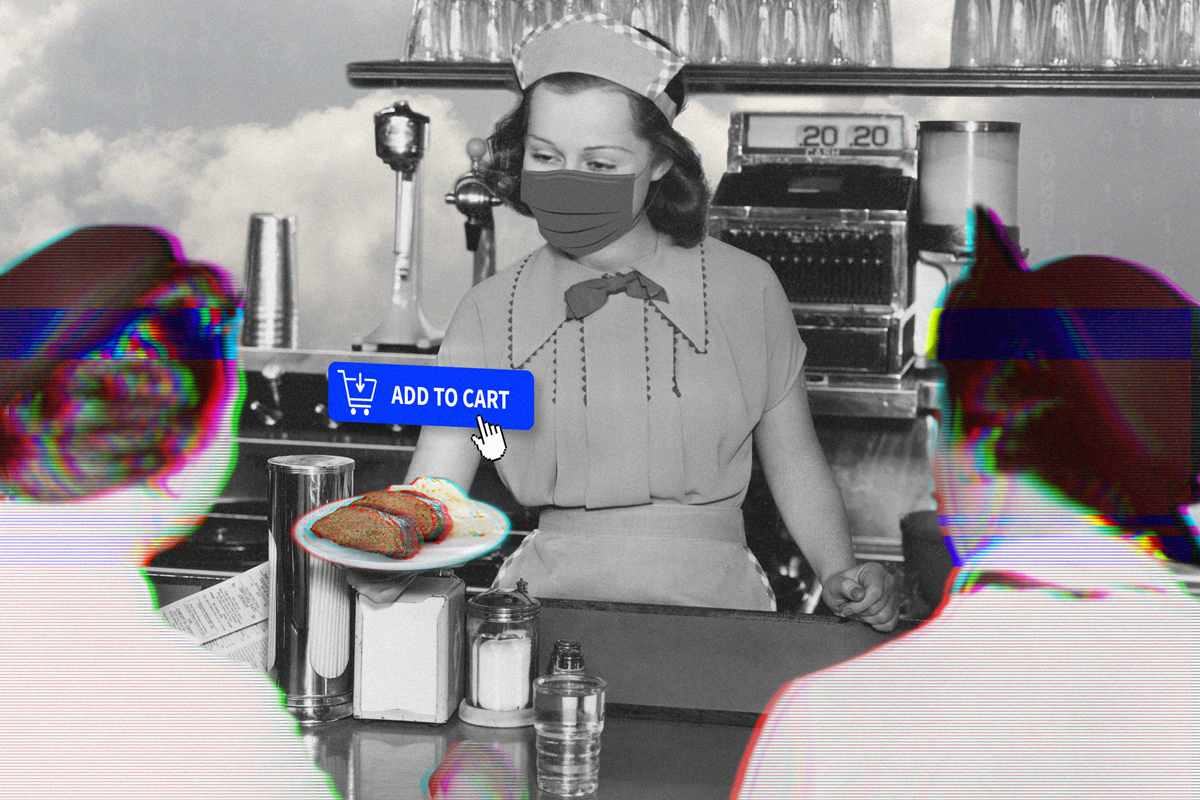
{"x":1061,"y":29}
{"x":875,"y":26}
{"x":1147,"y":31}
{"x":1016,"y":33}
{"x":1109,"y":34}
{"x":1185,"y":14}
{"x":617,"y":9}
{"x":422,"y":42}
{"x":645,"y":15}
{"x":524,"y":20}
{"x":768,"y":26}
{"x":716,"y":35}
{"x":568,"y":714}
{"x":787,"y":42}
{"x":841,"y":39}
{"x":681,"y":29}
{"x":495,"y":40}
{"x":971,"y":35}
{"x":812,"y":21}
{"x":456,"y":31}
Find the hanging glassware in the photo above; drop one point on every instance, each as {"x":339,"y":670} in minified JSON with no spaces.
{"x":842,"y":34}
{"x":971,"y":35}
{"x":875,"y":20}
{"x":1183,"y":26}
{"x":1109,"y":44}
{"x":1061,"y":27}
{"x":422,"y":39}
{"x":682,"y":29}
{"x":494,"y":42}
{"x":812,"y":19}
{"x":1016,"y":43}
{"x":1146,"y":32}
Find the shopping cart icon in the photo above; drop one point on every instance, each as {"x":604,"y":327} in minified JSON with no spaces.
{"x":360,"y":392}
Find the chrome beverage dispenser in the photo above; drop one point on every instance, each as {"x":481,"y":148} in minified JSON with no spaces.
{"x":473,"y":198}
{"x":961,"y":163}
{"x":401,"y":139}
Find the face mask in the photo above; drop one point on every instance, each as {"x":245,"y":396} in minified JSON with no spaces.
{"x":580,"y":212}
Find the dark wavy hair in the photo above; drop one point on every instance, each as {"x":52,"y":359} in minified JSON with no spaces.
{"x":679,"y":199}
{"x":1079,"y":372}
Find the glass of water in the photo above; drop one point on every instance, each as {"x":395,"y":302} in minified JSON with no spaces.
{"x":568,"y":715}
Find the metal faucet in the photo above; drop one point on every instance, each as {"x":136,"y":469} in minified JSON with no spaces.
{"x":474,"y":199}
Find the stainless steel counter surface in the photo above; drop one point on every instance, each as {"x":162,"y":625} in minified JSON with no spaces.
{"x":639,"y":758}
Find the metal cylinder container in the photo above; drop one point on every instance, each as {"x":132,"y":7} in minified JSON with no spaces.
{"x":311,"y":615}
{"x":272,"y":318}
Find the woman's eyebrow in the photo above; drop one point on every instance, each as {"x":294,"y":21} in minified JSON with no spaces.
{"x":608,"y":147}
{"x":548,"y":143}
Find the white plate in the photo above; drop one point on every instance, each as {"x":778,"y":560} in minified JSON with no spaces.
{"x":455,"y":549}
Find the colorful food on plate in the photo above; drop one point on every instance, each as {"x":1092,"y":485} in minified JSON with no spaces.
{"x":368,"y":529}
{"x":428,"y":517}
{"x":394,"y":522}
{"x":469,"y":518}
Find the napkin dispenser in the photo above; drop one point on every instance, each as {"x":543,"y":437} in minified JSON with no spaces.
{"x":408,"y":660}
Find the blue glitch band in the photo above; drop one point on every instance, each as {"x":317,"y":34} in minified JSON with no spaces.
{"x":1115,"y":334}
{"x":406,"y":394}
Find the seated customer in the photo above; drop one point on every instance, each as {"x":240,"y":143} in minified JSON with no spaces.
{"x":119,"y":386}
{"x":1063,"y":661}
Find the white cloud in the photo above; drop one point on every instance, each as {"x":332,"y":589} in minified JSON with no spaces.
{"x":24,"y":34}
{"x":204,"y":185}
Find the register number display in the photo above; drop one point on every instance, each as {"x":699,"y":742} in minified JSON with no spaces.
{"x":423,"y":395}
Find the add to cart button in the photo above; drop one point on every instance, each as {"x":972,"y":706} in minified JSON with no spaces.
{"x":405,"y":394}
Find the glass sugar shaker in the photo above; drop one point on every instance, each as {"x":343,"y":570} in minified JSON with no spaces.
{"x":502,"y":646}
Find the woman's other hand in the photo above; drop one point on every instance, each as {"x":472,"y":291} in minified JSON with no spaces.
{"x":866,"y":592}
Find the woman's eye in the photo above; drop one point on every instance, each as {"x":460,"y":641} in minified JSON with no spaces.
{"x":601,"y":166}
{"x":542,"y":158}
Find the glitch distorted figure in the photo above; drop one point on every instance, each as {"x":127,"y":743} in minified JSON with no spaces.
{"x":119,"y":392}
{"x":1062,"y":662}
{"x":660,"y":356}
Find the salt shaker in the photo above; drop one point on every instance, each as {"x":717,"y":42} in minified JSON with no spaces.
{"x":566,"y":658}
{"x":502,"y":631}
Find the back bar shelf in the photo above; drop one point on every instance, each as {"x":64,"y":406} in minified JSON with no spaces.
{"x":792,"y":79}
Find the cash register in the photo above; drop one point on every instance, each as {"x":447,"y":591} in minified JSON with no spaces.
{"x":826,"y":200}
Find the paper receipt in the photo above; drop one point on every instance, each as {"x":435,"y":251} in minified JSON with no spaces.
{"x":229,"y":619}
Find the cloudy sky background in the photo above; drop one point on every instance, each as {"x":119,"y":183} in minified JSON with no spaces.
{"x":193,"y":116}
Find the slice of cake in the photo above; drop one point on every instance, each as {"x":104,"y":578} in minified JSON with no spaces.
{"x":429,"y":517}
{"x":370,"y":530}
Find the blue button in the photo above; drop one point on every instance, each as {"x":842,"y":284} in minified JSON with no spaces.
{"x":406,"y":394}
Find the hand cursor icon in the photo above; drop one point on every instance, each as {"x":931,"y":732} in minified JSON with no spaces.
{"x":490,"y":439}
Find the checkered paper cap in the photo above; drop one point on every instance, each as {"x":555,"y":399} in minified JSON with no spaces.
{"x":596,"y":44}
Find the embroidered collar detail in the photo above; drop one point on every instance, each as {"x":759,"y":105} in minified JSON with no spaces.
{"x":537,"y":309}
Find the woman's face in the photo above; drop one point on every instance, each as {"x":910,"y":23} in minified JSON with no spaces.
{"x":589,"y":131}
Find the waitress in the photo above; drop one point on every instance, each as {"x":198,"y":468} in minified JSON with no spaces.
{"x":658,"y":354}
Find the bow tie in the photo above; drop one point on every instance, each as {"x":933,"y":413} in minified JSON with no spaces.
{"x":586,"y":296}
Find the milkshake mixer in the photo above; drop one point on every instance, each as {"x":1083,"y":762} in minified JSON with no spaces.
{"x":401,"y":138}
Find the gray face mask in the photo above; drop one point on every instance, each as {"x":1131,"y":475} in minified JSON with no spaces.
{"x":580,"y":212}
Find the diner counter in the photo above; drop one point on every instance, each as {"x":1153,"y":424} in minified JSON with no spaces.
{"x":639,"y":758}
